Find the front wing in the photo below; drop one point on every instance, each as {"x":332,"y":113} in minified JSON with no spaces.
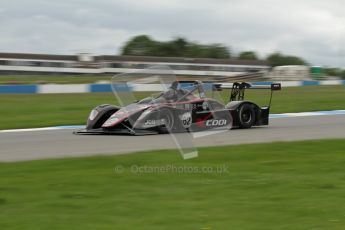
{"x":102,"y":131}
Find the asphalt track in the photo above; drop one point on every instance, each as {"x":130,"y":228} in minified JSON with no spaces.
{"x":30,"y":145}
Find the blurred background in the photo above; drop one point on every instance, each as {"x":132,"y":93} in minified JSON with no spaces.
{"x":86,"y":41}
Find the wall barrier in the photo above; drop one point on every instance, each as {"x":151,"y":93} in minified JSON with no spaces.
{"x":95,"y":88}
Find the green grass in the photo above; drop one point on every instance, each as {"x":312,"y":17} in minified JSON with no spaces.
{"x":302,"y":99}
{"x":18,"y":111}
{"x":39,"y":110}
{"x":58,"y":79}
{"x":296,"y":185}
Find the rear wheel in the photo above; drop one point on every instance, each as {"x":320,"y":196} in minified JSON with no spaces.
{"x":246,"y":116}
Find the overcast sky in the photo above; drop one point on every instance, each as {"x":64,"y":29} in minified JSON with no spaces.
{"x":312,"y":29}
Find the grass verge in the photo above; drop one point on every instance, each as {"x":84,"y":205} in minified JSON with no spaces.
{"x":39,"y":110}
{"x":295,"y":185}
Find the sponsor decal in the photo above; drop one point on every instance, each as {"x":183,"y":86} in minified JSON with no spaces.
{"x":186,"y":119}
{"x":216,"y":122}
{"x":151,"y":123}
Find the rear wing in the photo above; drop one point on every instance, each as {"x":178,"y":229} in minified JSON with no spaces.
{"x":238,"y":89}
{"x":244,"y":85}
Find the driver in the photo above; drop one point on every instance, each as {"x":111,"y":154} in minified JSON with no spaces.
{"x":174,"y":94}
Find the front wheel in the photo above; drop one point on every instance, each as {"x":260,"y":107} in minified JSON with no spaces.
{"x":169,"y":121}
{"x":246,"y":116}
{"x":99,"y":115}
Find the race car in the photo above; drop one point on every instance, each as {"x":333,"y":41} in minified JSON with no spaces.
{"x":181,"y":109}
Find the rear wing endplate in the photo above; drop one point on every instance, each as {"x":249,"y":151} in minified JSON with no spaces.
{"x":237,"y":89}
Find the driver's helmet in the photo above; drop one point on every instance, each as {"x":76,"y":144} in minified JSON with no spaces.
{"x":171,"y":94}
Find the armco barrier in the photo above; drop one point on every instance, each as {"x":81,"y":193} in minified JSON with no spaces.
{"x":94,"y":88}
{"x":18,"y":89}
{"x":97,"y":88}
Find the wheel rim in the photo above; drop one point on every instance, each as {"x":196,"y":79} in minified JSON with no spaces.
{"x":246,"y":116}
{"x":168,"y":122}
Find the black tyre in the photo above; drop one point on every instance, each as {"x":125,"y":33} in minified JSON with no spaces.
{"x":246,"y":116}
{"x":168,"y":121}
